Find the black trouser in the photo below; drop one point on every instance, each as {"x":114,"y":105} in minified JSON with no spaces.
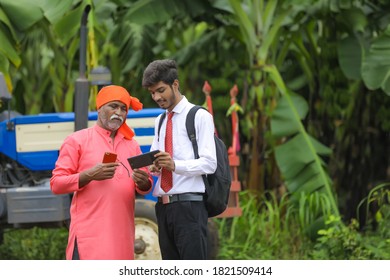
{"x":75,"y":255}
{"x":182,"y":230}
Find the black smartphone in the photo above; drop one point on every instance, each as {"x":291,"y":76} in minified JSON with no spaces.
{"x":142,"y":160}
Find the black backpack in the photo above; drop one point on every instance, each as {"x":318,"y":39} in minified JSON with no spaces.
{"x":217,"y":184}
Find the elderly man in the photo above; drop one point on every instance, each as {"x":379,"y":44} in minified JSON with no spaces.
{"x":102,"y":210}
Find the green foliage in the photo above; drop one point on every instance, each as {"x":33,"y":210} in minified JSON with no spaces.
{"x":378,"y":195}
{"x":312,"y":208}
{"x":378,"y":241}
{"x":312,"y":46}
{"x":34,"y":244}
{"x":270,"y":229}
{"x":346,"y":243}
{"x":375,"y":68}
{"x":340,"y":243}
{"x":266,"y":230}
{"x":299,"y":157}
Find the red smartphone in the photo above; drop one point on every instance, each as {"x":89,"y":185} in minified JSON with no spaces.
{"x":109,"y":157}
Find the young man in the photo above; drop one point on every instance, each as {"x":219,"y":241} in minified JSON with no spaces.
{"x":181,"y":212}
{"x":102,"y":210}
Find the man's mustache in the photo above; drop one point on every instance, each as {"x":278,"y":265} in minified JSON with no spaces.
{"x":115,"y":116}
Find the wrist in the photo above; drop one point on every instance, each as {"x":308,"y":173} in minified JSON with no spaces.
{"x":144,"y":187}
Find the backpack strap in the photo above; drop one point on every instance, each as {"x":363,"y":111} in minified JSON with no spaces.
{"x":159,"y":125}
{"x":190,"y":126}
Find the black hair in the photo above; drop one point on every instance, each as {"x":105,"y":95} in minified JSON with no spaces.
{"x":164,"y":70}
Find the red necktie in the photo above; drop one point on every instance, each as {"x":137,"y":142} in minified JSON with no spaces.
{"x":166,"y":175}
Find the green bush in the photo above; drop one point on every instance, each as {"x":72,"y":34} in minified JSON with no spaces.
{"x":34,"y":244}
{"x":347,"y":243}
{"x":339,"y":242}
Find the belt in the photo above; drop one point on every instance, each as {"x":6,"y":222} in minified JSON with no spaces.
{"x":165,"y":199}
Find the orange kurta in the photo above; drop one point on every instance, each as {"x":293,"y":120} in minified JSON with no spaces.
{"x":102,"y":212}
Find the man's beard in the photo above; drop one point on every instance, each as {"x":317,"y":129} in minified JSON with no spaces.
{"x":111,"y":124}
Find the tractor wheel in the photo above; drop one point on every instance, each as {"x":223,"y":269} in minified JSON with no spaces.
{"x":146,"y":245}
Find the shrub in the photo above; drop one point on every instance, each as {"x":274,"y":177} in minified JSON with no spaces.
{"x":34,"y":244}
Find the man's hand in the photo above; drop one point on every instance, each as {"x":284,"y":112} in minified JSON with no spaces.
{"x":141,"y":179}
{"x":154,"y":170}
{"x":164,"y":160}
{"x":100,"y":171}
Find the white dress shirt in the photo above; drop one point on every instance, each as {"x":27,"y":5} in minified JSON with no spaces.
{"x":187,"y":176}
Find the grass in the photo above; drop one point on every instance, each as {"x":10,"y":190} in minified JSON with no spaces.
{"x":269,"y":229}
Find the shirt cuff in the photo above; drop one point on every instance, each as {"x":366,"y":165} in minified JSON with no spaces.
{"x":180,"y":166}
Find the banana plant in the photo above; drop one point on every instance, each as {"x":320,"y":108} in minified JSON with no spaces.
{"x":41,"y":46}
{"x":356,"y":73}
{"x":299,"y":158}
{"x":372,"y":65}
{"x":259,"y":23}
{"x":365,"y":54}
{"x":264,"y":30}
{"x":144,"y":30}
{"x":278,"y":131}
{"x":10,"y":35}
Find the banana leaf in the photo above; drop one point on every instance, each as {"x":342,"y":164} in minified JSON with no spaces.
{"x":350,"y":55}
{"x":68,"y":26}
{"x":376,"y":65}
{"x":299,"y":155}
{"x":151,"y":11}
{"x":22,"y":13}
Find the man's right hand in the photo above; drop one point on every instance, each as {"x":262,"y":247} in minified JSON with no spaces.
{"x":164,"y":160}
{"x":100,"y":171}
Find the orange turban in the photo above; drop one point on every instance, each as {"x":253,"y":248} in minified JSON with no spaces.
{"x":118,"y":93}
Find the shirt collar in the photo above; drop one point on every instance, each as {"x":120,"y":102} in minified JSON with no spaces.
{"x":107,"y":133}
{"x":180,"y":106}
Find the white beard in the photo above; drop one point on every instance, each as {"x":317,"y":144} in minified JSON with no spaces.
{"x":111,"y":124}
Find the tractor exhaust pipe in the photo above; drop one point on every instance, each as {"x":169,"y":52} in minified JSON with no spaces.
{"x":81,"y":106}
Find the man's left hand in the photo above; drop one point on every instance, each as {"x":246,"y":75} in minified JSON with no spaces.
{"x":141,"y":179}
